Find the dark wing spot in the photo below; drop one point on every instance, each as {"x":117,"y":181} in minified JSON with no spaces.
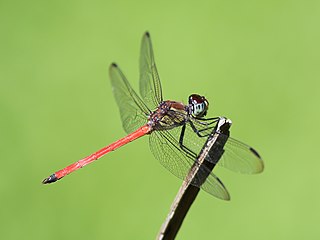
{"x":255,"y":152}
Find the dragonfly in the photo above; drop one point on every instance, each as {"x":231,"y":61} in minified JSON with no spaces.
{"x":177,"y":131}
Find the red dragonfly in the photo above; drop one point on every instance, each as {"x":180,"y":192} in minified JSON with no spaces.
{"x":177,"y":131}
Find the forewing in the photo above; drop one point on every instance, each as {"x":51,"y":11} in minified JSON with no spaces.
{"x":165,"y":147}
{"x":237,"y":156}
{"x":133,"y":111}
{"x":241,"y":158}
{"x":150,"y":86}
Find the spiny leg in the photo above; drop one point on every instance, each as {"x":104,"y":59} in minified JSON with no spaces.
{"x":202,"y":121}
{"x":198,"y":132}
{"x":188,"y":151}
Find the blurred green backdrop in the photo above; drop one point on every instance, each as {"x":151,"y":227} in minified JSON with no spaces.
{"x":256,"y":61}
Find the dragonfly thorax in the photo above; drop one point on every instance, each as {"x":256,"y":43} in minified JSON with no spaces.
{"x":168,"y":115}
{"x":198,"y":105}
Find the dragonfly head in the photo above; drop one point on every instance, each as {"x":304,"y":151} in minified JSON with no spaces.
{"x":198,"y":105}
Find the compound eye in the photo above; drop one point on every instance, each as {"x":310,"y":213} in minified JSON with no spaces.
{"x":199,"y":105}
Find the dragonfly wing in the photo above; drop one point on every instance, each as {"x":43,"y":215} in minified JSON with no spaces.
{"x":214,"y":186}
{"x":241,"y":158}
{"x":150,"y":85}
{"x":165,"y":147}
{"x":237,"y":156}
{"x":132,"y":109}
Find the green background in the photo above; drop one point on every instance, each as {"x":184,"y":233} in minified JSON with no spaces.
{"x":256,"y":61}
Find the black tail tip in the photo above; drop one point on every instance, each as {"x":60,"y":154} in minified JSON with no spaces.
{"x":147,"y":33}
{"x":114,"y":64}
{"x":52,"y":178}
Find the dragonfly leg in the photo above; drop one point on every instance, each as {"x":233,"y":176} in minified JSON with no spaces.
{"x":188,"y":151}
{"x":198,"y":132}
{"x":206,"y":121}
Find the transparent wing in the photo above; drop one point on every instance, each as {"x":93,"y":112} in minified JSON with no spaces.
{"x":133,"y":111}
{"x":241,"y":158}
{"x":150,"y":86}
{"x":165,"y":147}
{"x":237,"y":156}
